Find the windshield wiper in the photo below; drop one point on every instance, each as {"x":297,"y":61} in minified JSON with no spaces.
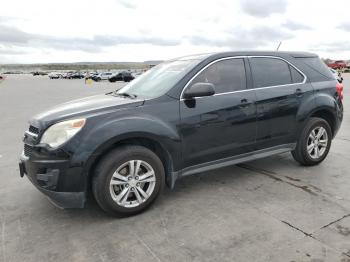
{"x":124,"y":94}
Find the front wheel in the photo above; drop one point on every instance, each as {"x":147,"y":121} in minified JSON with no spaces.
{"x":128,"y":180}
{"x":314,"y":142}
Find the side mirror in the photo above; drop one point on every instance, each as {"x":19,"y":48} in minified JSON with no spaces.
{"x":199,"y":90}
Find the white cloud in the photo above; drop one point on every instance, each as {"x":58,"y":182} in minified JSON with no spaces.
{"x":264,"y":8}
{"x":135,"y":30}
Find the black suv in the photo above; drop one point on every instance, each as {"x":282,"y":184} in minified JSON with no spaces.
{"x":182,"y":117}
{"x":122,"y":76}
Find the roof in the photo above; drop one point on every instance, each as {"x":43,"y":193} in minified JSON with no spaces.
{"x":248,"y":53}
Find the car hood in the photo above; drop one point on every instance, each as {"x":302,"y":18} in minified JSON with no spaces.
{"x":84,"y":107}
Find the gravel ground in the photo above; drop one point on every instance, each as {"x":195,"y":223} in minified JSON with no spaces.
{"x":266,"y":210}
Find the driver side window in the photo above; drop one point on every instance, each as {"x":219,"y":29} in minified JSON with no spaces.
{"x":226,"y":75}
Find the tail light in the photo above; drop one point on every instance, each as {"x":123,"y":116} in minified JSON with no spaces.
{"x":339,"y":88}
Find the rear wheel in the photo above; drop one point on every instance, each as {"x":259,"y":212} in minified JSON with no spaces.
{"x":314,"y":142}
{"x":128,"y":180}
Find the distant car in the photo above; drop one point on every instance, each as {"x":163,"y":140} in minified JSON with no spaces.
{"x":65,"y":75}
{"x":91,"y":75}
{"x":76,"y":75}
{"x":54,"y":75}
{"x":39,"y":73}
{"x":102,"y":76}
{"x":1,"y":77}
{"x":337,"y":75}
{"x":340,"y":64}
{"x":122,"y":76}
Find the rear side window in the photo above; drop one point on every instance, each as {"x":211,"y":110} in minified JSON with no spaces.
{"x":316,"y":64}
{"x":270,"y":72}
{"x":226,"y":75}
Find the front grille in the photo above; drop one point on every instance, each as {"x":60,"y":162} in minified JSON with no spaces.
{"x":34,"y":130}
{"x":28,"y":150}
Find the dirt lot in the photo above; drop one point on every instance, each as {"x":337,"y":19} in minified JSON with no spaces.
{"x":267,"y":210}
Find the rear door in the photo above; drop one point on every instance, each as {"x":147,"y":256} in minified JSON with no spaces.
{"x":222,"y":125}
{"x":280,"y":87}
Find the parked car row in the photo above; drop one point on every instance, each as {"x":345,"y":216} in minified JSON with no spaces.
{"x":112,"y":77}
{"x":39,"y":73}
{"x":68,"y":75}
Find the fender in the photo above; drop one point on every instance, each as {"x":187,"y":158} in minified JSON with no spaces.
{"x":317,"y":102}
{"x":101,"y":136}
{"x":327,"y":101}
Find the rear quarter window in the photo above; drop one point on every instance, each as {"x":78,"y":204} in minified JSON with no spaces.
{"x":317,"y":65}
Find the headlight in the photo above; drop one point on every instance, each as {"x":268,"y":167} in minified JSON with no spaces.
{"x":60,"y":133}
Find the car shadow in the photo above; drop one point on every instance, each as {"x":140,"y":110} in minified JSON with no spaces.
{"x":189,"y":186}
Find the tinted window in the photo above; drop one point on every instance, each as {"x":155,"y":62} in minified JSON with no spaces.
{"x":270,"y":72}
{"x":296,"y":76}
{"x":317,"y":65}
{"x":226,"y":75}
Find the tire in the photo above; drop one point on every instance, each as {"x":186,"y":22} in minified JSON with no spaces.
{"x":318,"y":153}
{"x":121,"y":198}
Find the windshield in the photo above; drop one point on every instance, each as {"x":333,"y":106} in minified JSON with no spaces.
{"x":160,"y":79}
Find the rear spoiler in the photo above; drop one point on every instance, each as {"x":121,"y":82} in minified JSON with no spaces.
{"x":303,"y":55}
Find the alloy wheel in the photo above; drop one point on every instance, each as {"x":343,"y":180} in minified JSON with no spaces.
{"x":317,"y":142}
{"x":132,"y":183}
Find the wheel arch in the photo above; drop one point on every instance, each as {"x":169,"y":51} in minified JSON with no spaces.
{"x":326,"y":114}
{"x":320,"y":105}
{"x":144,"y":140}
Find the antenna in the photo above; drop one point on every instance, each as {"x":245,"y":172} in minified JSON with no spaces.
{"x":278,"y":47}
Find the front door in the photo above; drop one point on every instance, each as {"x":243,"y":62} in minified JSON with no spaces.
{"x":222,"y":125}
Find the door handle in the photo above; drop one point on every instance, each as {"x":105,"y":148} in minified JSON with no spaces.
{"x":244,"y":102}
{"x":298,"y":92}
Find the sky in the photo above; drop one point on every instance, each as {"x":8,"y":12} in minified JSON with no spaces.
{"x":56,"y":31}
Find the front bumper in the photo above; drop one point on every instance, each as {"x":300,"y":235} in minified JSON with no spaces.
{"x":48,"y":177}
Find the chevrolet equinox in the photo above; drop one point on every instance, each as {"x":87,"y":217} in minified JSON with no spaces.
{"x":184,"y":116}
